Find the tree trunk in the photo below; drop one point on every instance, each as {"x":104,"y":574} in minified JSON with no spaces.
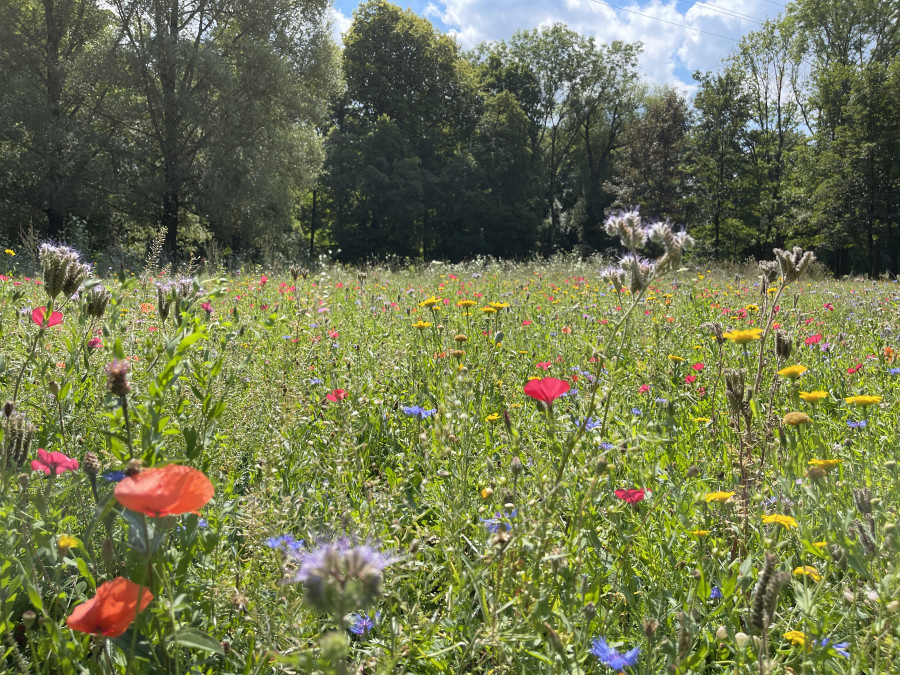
{"x":171,"y":198}
{"x":56,"y":216}
{"x":312,"y":224}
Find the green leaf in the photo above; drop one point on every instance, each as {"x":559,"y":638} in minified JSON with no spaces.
{"x":197,"y":639}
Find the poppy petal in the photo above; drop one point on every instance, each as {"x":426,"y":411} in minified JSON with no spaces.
{"x":112,"y":609}
{"x":170,"y":490}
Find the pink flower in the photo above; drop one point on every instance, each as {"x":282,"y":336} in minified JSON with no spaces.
{"x":336,"y":395}
{"x":813,"y":339}
{"x":526,"y":322}
{"x":207,"y":307}
{"x":95,"y":343}
{"x":630,"y":496}
{"x":644,"y":389}
{"x":38,"y":316}
{"x":828,"y":306}
{"x":545,"y":365}
{"x":53,"y":463}
{"x":698,"y":367}
{"x":855,"y":369}
{"x":690,"y":379}
{"x":263,"y":279}
{"x":546,"y":390}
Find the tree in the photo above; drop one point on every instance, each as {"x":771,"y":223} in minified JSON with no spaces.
{"x":650,"y":167}
{"x":54,"y":62}
{"x":220,"y":99}
{"x":718,"y":165}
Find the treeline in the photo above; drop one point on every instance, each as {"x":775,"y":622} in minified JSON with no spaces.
{"x":239,"y":126}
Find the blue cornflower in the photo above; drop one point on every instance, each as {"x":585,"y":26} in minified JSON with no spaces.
{"x":857,"y":425}
{"x":894,"y":371}
{"x":636,"y":411}
{"x":316,"y":380}
{"x":660,"y":399}
{"x":114,"y":476}
{"x":606,"y":445}
{"x":284,"y":542}
{"x":499,"y":520}
{"x":715,"y":593}
{"x":363,"y":623}
{"x":418,"y":411}
{"x":611,"y":658}
{"x":839,"y":647}
{"x":589,"y":424}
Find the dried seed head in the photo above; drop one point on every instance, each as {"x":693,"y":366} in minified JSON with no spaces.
{"x":863,"y":499}
{"x":716,"y":329}
{"x":17,"y":440}
{"x":793,"y":263}
{"x":117,"y":377}
{"x":784,"y":344}
{"x":769,"y":270}
{"x":758,"y":600}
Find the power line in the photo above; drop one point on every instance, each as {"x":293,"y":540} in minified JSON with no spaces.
{"x":721,"y":10}
{"x":671,"y":23}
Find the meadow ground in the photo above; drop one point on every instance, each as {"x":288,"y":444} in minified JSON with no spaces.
{"x":560,"y":477}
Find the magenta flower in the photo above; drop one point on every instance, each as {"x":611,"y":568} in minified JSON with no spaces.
{"x":40,"y":318}
{"x":53,"y":463}
{"x":630,"y":496}
{"x":207,"y":307}
{"x":547,"y":389}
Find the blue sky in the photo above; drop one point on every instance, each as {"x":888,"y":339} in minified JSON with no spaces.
{"x":679,"y":36}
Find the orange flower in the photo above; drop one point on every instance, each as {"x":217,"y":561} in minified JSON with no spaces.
{"x":168,"y":491}
{"x":566,"y":330}
{"x":890,"y":354}
{"x":110,"y":612}
{"x":146,"y":307}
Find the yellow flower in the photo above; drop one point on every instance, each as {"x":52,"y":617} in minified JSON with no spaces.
{"x":718,"y":497}
{"x":702,"y":420}
{"x":676,"y":359}
{"x":813,"y":396}
{"x":795,"y":419}
{"x":742,"y":337}
{"x":486,"y":493}
{"x":466,"y":303}
{"x":819,"y":544}
{"x":863,"y":400}
{"x":807,"y":571}
{"x":826,"y":463}
{"x":65,"y":542}
{"x":499,"y":305}
{"x":785,"y":521}
{"x":422,"y":325}
{"x":493,"y":417}
{"x":793,"y":372}
{"x":796,"y":638}
{"x":429,"y":302}
{"x":488,"y":310}
{"x":10,"y":251}
{"x":752,"y":308}
{"x":699,"y":533}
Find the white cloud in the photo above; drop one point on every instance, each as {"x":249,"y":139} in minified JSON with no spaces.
{"x":340,"y":22}
{"x":664,"y":28}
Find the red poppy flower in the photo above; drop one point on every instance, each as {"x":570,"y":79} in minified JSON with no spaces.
{"x":698,"y":367}
{"x":115,"y":605}
{"x":336,"y":395}
{"x":828,"y":306}
{"x":263,"y":279}
{"x":690,"y":379}
{"x":167,"y":491}
{"x":855,"y":369}
{"x":53,"y":463}
{"x":631,"y":496}
{"x":644,"y":388}
{"x":207,"y":307}
{"x":547,"y":389}
{"x":813,"y":339}
{"x":38,"y":316}
{"x":95,"y":343}
{"x":544,"y":365}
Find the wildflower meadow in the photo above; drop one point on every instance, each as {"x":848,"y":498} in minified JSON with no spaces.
{"x":649,"y":466}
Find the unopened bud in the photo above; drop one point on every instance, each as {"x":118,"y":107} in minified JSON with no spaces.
{"x":516,"y":466}
{"x":53,"y":387}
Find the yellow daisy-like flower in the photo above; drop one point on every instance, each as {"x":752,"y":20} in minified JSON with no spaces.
{"x":422,"y":325}
{"x":493,"y":417}
{"x":807,"y":571}
{"x":486,"y":493}
{"x":795,"y":419}
{"x":793,"y":372}
{"x":702,"y":420}
{"x":819,"y":544}
{"x":499,"y":305}
{"x":466,"y":303}
{"x":742,"y":337}
{"x":796,"y":638}
{"x":488,"y":310}
{"x":863,"y":400}
{"x":699,"y":533}
{"x":826,"y":463}
{"x":786,"y":522}
{"x":65,"y":542}
{"x":813,"y":396}
{"x":9,"y":251}
{"x":429,"y":302}
{"x":533,"y":377}
{"x":752,"y":308}
{"x":676,"y":359}
{"x":719,"y":497}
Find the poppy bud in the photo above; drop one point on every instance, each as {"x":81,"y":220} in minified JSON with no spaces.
{"x":53,"y":387}
{"x":133,"y":468}
{"x":516,"y":466}
{"x":28,"y":618}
